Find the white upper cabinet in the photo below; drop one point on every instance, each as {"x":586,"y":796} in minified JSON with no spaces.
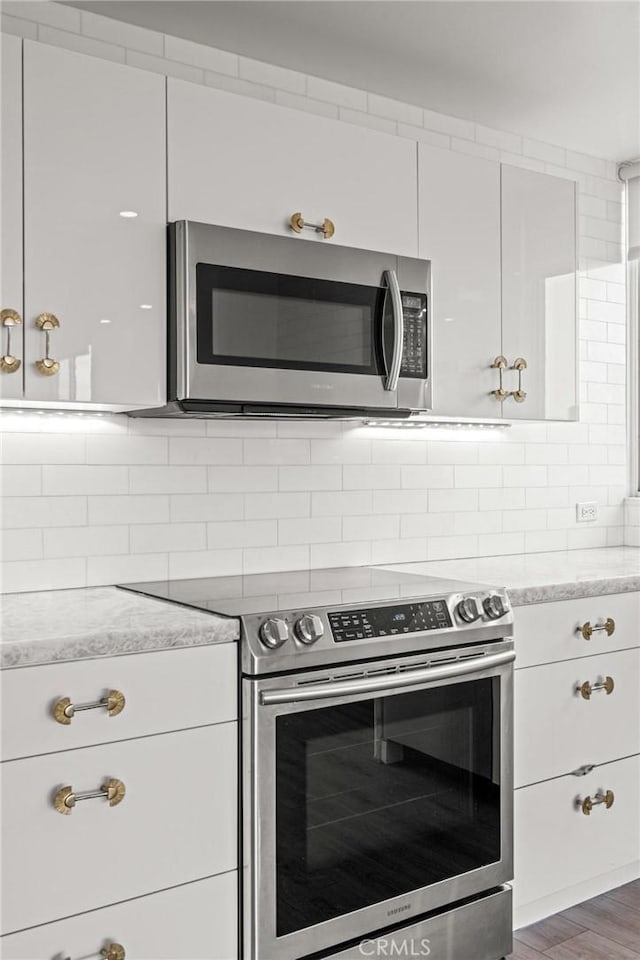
{"x":11,"y":328}
{"x":244,"y":163}
{"x":94,"y":148}
{"x":459,"y":231}
{"x":539,"y":292}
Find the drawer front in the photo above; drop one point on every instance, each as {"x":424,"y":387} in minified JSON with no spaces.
{"x":558,"y":730}
{"x":547,"y":632}
{"x":557,"y":846}
{"x":177,"y":822}
{"x":163,"y":691}
{"x":197,"y":921}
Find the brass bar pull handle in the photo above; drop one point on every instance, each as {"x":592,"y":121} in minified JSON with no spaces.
{"x":112,"y":790}
{"x":519,"y":395}
{"x":111,"y":951}
{"x":500,"y":364}
{"x":8,"y":320}
{"x":327,"y":228}
{"x":589,"y":803}
{"x":586,"y":689}
{"x":47,"y":366}
{"x":587,"y":630}
{"x":64,"y":710}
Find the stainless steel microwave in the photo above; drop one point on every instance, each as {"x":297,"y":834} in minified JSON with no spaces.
{"x":268,"y":325}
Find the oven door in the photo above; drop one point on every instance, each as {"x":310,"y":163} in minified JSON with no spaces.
{"x":372,"y":796}
{"x":272,"y":320}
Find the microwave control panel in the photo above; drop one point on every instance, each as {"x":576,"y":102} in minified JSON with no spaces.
{"x":390,"y":621}
{"x":414,"y":346}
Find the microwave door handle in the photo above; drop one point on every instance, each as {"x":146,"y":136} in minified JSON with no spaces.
{"x":393,"y":372}
{"x":389,"y":682}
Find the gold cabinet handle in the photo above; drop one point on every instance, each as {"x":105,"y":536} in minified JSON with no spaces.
{"x":586,"y":689}
{"x":111,"y":951}
{"x":112,"y":790}
{"x":327,"y":228}
{"x":519,"y":395}
{"x":64,"y":710}
{"x":47,"y":366}
{"x":587,"y":630}
{"x":587,"y":805}
{"x":8,"y":320}
{"x":500,"y":364}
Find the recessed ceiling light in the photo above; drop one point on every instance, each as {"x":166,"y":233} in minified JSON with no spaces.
{"x":105,"y":320}
{"x":145,"y":306}
{"x":128,"y":214}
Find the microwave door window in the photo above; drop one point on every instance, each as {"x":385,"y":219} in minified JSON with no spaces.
{"x":251,"y":318}
{"x":377,"y":798}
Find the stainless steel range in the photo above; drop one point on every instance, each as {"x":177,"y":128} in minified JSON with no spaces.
{"x":377,"y":743}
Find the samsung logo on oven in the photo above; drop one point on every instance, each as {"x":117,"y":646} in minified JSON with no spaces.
{"x":392,"y":913}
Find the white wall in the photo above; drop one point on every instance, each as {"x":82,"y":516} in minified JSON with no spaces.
{"x":92,"y":500}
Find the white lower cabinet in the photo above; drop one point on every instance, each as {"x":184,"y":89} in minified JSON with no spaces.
{"x":197,"y":921}
{"x":562,"y":723}
{"x":177,"y":822}
{"x":577,"y":739}
{"x":558,"y":847}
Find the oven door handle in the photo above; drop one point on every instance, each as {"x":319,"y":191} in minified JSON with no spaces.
{"x":390,"y":682}
{"x":393,"y":368}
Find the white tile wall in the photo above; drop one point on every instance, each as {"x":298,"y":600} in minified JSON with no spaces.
{"x":99,"y":500}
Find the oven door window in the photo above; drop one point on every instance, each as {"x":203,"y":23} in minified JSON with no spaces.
{"x":252,"y":318}
{"x":380,"y":797}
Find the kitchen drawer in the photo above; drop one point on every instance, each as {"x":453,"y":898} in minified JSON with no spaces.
{"x":167,"y":690}
{"x":557,"y":846}
{"x":547,"y":632}
{"x":177,"y":822}
{"x":557,"y":730}
{"x":197,"y":921}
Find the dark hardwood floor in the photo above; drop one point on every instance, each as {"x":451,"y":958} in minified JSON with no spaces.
{"x":605,"y":928}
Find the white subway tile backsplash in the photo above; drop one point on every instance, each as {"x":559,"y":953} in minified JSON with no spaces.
{"x":59,"y":574}
{"x":43,"y":512}
{"x":125,"y":449}
{"x":125,"y":568}
{"x":242,"y":533}
{"x":395,"y":110}
{"x":375,"y":477}
{"x":122,"y":34}
{"x":21,"y":545}
{"x":161,"y":479}
{"x":277,"y":451}
{"x":277,"y":505}
{"x":165,"y":537}
{"x":544,"y":151}
{"x":270,"y":559}
{"x":20,"y":481}
{"x":478,"y":476}
{"x":204,"y":506}
{"x":453,"y":126}
{"x":310,"y":478}
{"x":129,"y":509}
{"x":310,"y":530}
{"x":43,"y":12}
{"x":347,"y":503}
{"x":201,"y":450}
{"x":342,"y":96}
{"x":381,"y":526}
{"x":80,"y":44}
{"x":87,"y":541}
{"x":243,"y":479}
{"x":271,"y":76}
{"x":201,"y":55}
{"x":498,"y":138}
{"x":84,"y":479}
{"x":204,"y":563}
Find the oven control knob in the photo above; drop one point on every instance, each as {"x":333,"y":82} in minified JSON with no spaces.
{"x":274,"y":633}
{"x":468,"y":610}
{"x":494,"y":606}
{"x":309,"y":628}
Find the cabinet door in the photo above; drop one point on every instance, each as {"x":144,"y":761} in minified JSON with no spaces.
{"x":459,"y":231}
{"x":539,"y":292}
{"x":244,"y":163}
{"x":11,"y":374}
{"x":94,"y":142}
{"x":196,"y":921}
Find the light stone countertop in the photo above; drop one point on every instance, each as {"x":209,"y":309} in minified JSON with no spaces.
{"x":542,"y":577}
{"x":55,"y":625}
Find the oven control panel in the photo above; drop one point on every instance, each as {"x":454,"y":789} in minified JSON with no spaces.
{"x":414,"y":345}
{"x":390,"y":621}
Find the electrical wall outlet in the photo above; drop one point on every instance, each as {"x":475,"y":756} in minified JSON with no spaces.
{"x":586,"y":512}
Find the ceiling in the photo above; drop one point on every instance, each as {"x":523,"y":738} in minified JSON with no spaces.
{"x":563,"y":71}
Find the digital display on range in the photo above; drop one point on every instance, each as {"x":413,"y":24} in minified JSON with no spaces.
{"x":390,"y":621}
